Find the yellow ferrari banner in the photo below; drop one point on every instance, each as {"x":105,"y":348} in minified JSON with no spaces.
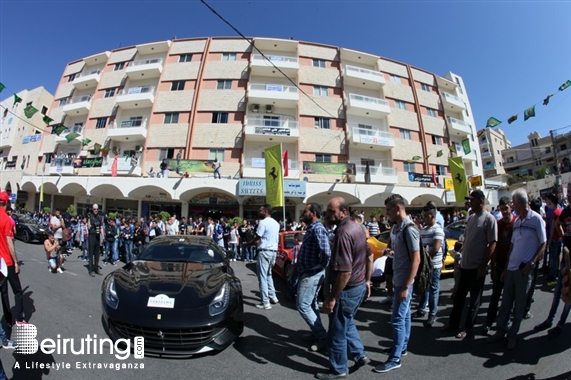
{"x":448,"y":184}
{"x":459,"y":178}
{"x":274,"y":176}
{"x":476,"y":181}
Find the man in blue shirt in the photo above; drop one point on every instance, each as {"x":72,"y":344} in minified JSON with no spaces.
{"x":311,"y":263}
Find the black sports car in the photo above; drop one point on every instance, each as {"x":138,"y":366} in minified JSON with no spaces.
{"x":180,"y":295}
{"x":28,"y":230}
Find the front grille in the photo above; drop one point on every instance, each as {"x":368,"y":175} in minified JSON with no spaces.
{"x":168,"y":338}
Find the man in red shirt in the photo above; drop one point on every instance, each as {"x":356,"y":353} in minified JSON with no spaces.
{"x":555,"y":240}
{"x":8,"y":253}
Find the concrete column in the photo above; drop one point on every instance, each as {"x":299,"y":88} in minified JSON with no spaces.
{"x":139,"y":207}
{"x":184,"y":210}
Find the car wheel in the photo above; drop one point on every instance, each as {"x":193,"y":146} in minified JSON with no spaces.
{"x":288,"y":272}
{"x":26,"y":237}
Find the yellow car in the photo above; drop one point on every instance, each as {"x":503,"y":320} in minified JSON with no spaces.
{"x":379,"y":243}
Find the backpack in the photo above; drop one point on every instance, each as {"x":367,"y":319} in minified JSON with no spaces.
{"x":423,"y":278}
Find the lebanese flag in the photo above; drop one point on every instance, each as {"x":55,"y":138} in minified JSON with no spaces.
{"x":285,"y":163}
{"x":434,"y":177}
{"x":114,"y":167}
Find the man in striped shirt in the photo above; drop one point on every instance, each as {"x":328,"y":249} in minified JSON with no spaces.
{"x":373,"y":226}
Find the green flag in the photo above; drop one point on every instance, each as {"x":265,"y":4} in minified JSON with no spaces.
{"x":70,"y":136}
{"x":85,"y":142}
{"x":466,"y":146}
{"x":452,"y":148}
{"x":47,"y":120}
{"x":58,"y":129}
{"x":29,"y":111}
{"x":459,"y":178}
{"x":565,"y":85}
{"x":104,"y":151}
{"x":512,"y":119}
{"x":96,"y":148}
{"x":530,"y":112}
{"x":17,"y":99}
{"x":546,"y":100}
{"x":439,"y":153}
{"x":492,"y":122}
{"x":416,"y":158}
{"x":2,"y":86}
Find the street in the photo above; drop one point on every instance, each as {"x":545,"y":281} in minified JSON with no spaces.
{"x":68,"y":304}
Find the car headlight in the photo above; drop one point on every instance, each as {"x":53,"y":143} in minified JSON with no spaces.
{"x":220,"y":302}
{"x":111,"y":295}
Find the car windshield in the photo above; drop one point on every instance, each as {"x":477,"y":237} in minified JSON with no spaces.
{"x":24,"y":219}
{"x":384,"y":237}
{"x":288,"y":241}
{"x":181,"y":250}
{"x":453,"y":231}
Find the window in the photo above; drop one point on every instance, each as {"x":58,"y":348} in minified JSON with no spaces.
{"x":166,"y":153}
{"x":400,"y":105}
{"x":425,"y":87}
{"x":459,"y":85}
{"x":185,"y":58}
{"x":71,"y":78}
{"x":216,"y":153}
{"x":101,"y":123}
{"x":224,"y":84}
{"x":408,"y":167}
{"x":320,"y":91}
{"x":436,"y":140}
{"x":29,"y":104}
{"x":109,"y":93}
{"x":432,"y":112}
{"x":320,"y":157}
{"x":441,"y":170}
{"x":271,"y":121}
{"x":395,"y":79}
{"x":364,"y":126}
{"x":63,"y":102}
{"x":44,"y":110}
{"x":119,"y":66}
{"x":220,"y":117}
{"x":177,"y":85}
{"x":370,"y":161}
{"x":405,"y":134}
{"x":322,"y":123}
{"x":171,"y":118}
{"x":228,"y":56}
{"x":563,"y":147}
{"x":467,"y":113}
{"x":319,"y":63}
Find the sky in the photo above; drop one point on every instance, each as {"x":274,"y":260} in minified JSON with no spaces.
{"x":511,"y":54}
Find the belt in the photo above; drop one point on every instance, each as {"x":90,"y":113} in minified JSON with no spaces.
{"x":267,"y":250}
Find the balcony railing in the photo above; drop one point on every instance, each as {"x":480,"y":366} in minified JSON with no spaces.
{"x":491,"y":165}
{"x":78,"y":129}
{"x":274,"y":123}
{"x":62,"y":162}
{"x":368,"y":99}
{"x":377,"y":170}
{"x":273,"y":87}
{"x":274,"y":58}
{"x":372,"y":132}
{"x":364,"y":71}
{"x":79,"y":99}
{"x":452,"y":97}
{"x":137,"y":90}
{"x":87,"y":73}
{"x":131,"y":123}
{"x":147,"y":61}
{"x":260,"y":163}
{"x":458,"y":121}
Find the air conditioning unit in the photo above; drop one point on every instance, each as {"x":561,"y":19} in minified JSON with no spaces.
{"x":269,"y":108}
{"x":139,"y":148}
{"x":255,"y":108}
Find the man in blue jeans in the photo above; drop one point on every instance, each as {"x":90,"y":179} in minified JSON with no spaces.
{"x":349,"y":274}
{"x":312,"y":260}
{"x":407,"y":258}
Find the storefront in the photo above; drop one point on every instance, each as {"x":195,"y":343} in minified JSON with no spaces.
{"x":213,"y":205}
{"x":255,"y":189}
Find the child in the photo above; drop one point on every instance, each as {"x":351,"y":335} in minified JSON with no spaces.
{"x":294,"y":279}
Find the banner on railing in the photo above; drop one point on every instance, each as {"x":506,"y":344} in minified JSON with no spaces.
{"x":332,"y":168}
{"x":417,"y":177}
{"x":92,"y":162}
{"x":192,"y":166}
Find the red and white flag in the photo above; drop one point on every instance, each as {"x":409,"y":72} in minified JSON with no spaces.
{"x":285,"y":163}
{"x":434,"y":177}
{"x":114,"y":167}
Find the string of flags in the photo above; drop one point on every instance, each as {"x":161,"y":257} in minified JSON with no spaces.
{"x":529,"y":112}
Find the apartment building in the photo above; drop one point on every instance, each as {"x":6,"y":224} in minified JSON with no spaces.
{"x":335,"y":110}
{"x":492,"y":142}
{"x":20,"y":141}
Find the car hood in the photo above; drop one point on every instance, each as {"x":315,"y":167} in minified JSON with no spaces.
{"x":192,"y":285}
{"x":33,"y":227}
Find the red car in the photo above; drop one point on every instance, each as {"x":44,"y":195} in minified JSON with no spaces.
{"x":283,"y":266}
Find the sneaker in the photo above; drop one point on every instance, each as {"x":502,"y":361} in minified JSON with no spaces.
{"x":21,"y":323}
{"x":390,"y":349}
{"x":511,"y":343}
{"x":430,"y":321}
{"x":419,"y":314}
{"x":542,"y":326}
{"x":528,"y":315}
{"x":105,"y":263}
{"x":114,"y":263}
{"x":387,"y":366}
{"x":363,"y":361}
{"x":486,"y":330}
{"x":10,"y":344}
{"x":387,"y":300}
{"x":59,"y":270}
{"x":551,"y":283}
{"x":330,"y":376}
{"x":265,"y":307}
{"x":494,"y":338}
{"x":274,"y":300}
{"x":318,"y":345}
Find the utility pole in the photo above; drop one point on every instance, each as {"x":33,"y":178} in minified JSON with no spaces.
{"x":555,"y":159}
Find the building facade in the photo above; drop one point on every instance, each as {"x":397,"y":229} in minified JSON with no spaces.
{"x":492,"y":142}
{"x":342,"y":115}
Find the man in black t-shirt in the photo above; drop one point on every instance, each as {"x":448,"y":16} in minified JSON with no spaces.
{"x":242,"y":232}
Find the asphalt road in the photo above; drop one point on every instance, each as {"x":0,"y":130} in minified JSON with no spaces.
{"x":271,"y":347}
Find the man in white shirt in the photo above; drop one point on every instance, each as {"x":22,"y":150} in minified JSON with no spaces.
{"x":57,"y":225}
{"x":267,"y":238}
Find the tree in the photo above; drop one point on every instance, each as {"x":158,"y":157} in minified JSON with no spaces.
{"x":47,"y":210}
{"x":164,"y":215}
{"x":71,"y":210}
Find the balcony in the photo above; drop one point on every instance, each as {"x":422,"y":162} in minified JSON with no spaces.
{"x":364,"y":138}
{"x":77,"y":140}
{"x":458,"y":127}
{"x":277,"y":130}
{"x":89,"y":79}
{"x":133,"y":129}
{"x":491,"y":165}
{"x":78,"y":106}
{"x":136,"y":97}
{"x":379,"y":174}
{"x":256,"y":168}
{"x":145,"y":69}
{"x":484,"y":143}
{"x":261,"y":66}
{"x":452,"y":102}
{"x":124,"y":167}
{"x":367,"y":106}
{"x":63,"y":166}
{"x":357,"y":76}
{"x":486,"y":155}
{"x":277,"y":94}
